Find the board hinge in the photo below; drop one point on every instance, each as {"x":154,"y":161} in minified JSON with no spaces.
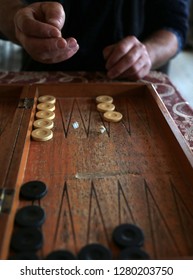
{"x":6,"y":199}
{"x":26,"y":103}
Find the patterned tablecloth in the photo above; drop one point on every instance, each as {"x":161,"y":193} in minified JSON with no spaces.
{"x":176,"y":105}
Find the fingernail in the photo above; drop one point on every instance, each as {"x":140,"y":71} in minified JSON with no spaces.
{"x":61,"y":44}
{"x":54,"y":33}
{"x":72,"y":44}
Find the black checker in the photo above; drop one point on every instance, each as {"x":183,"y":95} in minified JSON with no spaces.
{"x":30,"y":216}
{"x":128,"y":235}
{"x":27,"y":240}
{"x":61,"y":255}
{"x":33,"y":190}
{"x":95,"y":252}
{"x":134,"y":253}
{"x":24,"y":256}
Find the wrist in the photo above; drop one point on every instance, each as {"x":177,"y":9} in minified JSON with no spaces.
{"x":8,"y":10}
{"x":161,"y":47}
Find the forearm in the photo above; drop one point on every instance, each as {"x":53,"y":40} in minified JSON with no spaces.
{"x":161,"y":46}
{"x":8,"y":9}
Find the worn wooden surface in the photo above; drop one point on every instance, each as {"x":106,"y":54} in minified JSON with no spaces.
{"x":14,"y":123}
{"x":138,"y":171}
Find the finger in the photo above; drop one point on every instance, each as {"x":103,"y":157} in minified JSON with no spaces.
{"x":54,"y":14}
{"x":60,"y":57}
{"x":107,"y":51}
{"x":41,"y":20}
{"x":120,"y":50}
{"x":25,"y":23}
{"x":61,"y":52}
{"x":130,"y":59}
{"x":139,"y":69}
{"x":72,"y":43}
{"x":52,"y":55}
{"x":50,"y":50}
{"x":137,"y":75}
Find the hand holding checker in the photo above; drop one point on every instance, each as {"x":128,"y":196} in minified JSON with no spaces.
{"x":38,"y":29}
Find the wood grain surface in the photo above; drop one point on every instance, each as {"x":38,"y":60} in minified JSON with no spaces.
{"x":137,"y":171}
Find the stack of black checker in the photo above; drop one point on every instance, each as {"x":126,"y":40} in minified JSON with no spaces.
{"x":27,"y":237}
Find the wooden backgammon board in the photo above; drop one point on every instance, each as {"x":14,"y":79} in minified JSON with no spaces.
{"x":137,"y":171}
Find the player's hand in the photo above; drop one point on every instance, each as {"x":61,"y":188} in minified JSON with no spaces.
{"x":38,"y":29}
{"x":127,"y":59}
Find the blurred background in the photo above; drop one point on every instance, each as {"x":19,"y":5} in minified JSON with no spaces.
{"x":181,"y":69}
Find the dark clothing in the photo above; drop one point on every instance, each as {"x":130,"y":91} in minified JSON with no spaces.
{"x":99,"y":23}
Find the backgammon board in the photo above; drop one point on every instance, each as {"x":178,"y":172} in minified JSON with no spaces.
{"x":138,"y":170}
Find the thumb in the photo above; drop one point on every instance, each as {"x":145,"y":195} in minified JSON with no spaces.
{"x":54,"y":14}
{"x":107,"y":51}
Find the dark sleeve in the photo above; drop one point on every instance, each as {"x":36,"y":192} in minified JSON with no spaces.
{"x":33,"y":1}
{"x":171,"y":15}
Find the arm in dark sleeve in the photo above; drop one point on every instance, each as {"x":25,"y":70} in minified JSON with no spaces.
{"x":171,"y":15}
